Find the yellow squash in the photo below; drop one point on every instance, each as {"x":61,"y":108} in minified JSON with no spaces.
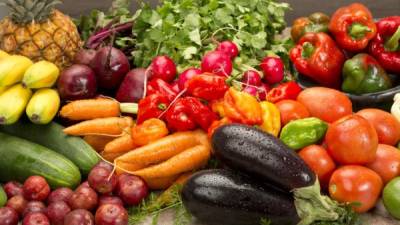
{"x":13,"y":103}
{"x":12,"y":69}
{"x":43,"y":106}
{"x":271,"y":118}
{"x":42,"y":74}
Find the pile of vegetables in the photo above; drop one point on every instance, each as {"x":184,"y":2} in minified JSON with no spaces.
{"x":195,"y":106}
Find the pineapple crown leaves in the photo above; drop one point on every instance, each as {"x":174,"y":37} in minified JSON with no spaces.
{"x":28,"y":11}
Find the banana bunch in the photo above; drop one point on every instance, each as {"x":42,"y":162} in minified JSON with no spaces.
{"x":18,"y":77}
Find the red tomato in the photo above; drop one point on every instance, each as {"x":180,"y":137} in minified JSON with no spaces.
{"x":386,"y":125}
{"x":356,"y":184}
{"x":352,"y":140}
{"x":387,"y":162}
{"x":318,"y":159}
{"x":325,"y":103}
{"x":291,"y":110}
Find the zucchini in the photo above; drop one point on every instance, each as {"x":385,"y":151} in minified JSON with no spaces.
{"x":53,"y":137}
{"x":227,"y":197}
{"x":20,"y":159}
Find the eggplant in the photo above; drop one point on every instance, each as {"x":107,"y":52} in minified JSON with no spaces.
{"x":226,"y":197}
{"x":260,"y":154}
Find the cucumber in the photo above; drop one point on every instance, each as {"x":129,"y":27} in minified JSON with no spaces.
{"x":20,"y":159}
{"x":53,"y":137}
{"x":3,"y":197}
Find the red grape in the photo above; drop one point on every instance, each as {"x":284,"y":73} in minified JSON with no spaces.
{"x":79,"y":217}
{"x":60,"y":194}
{"x":36,"y":219}
{"x":131,"y":189}
{"x":8,"y":216}
{"x":102,"y":179}
{"x":110,"y":200}
{"x":34,"y":206}
{"x":56,"y":212}
{"x":111,"y":214}
{"x":18,"y":203}
{"x":13,"y":188}
{"x":83,"y":198}
{"x":36,"y":188}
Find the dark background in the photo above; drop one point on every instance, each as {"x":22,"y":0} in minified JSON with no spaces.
{"x":379,"y":8}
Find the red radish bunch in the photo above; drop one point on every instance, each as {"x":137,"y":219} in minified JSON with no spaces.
{"x":217,"y":62}
{"x":164,"y":68}
{"x":229,"y":48}
{"x":273,"y":69}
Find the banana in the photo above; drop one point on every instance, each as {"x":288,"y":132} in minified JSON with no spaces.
{"x":3,"y":89}
{"x":3,"y":54}
{"x":43,"y":106}
{"x":42,"y":74}
{"x":13,"y":103}
{"x":12,"y":69}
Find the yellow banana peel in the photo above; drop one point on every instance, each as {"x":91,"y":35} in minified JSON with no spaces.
{"x":12,"y":69}
{"x":43,"y":106}
{"x":13,"y":103}
{"x":3,"y":54}
{"x":42,"y":74}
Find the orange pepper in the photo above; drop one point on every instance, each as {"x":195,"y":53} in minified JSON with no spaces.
{"x":149,"y":131}
{"x":242,"y":107}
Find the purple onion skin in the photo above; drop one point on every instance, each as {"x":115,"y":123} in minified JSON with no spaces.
{"x":132,"y":88}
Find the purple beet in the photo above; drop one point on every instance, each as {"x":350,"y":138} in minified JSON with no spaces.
{"x":131,"y":89}
{"x":110,"y":65}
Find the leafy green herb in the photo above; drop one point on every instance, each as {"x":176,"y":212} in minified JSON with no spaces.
{"x":186,"y":29}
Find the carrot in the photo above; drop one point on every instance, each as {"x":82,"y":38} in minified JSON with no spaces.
{"x":191,"y":159}
{"x":110,"y":157}
{"x":149,"y":131}
{"x":164,"y":148}
{"x":123,"y":167}
{"x":160,"y":183}
{"x":122,"y":144}
{"x":97,"y":142}
{"x":111,"y":126}
{"x":90,"y":109}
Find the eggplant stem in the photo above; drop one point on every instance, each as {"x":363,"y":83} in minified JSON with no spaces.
{"x":393,"y":43}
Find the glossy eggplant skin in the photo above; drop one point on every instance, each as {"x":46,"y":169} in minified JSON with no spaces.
{"x":219,"y":196}
{"x":261,"y":155}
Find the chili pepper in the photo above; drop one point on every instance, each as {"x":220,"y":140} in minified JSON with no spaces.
{"x":317,"y":56}
{"x":178,"y":117}
{"x":362,"y":74}
{"x":218,"y":123}
{"x":152,"y":106}
{"x":304,"y":132}
{"x":149,"y":131}
{"x":207,"y":86}
{"x":285,"y":91}
{"x":242,"y":107}
{"x":271,"y":118}
{"x":161,"y":87}
{"x":385,"y":46}
{"x":316,"y":22}
{"x":200,"y":113}
{"x":353,"y":27}
{"x":217,"y":106}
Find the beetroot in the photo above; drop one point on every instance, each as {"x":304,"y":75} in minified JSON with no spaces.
{"x":132,"y":88}
{"x":85,"y":56}
{"x":187,"y":75}
{"x":131,"y":189}
{"x":56,"y":212}
{"x":110,"y":200}
{"x":79,"y":217}
{"x":111,"y":214}
{"x":102,"y":179}
{"x":110,"y":65}
{"x":217,"y":62}
{"x":77,"y":82}
{"x":13,"y":188}
{"x":36,"y":188}
{"x":162,"y":67}
{"x":83,"y":198}
{"x":34,"y":206}
{"x":229,"y":48}
{"x":36,"y":219}
{"x":273,"y":69}
{"x":8,"y":216}
{"x":18,"y":203}
{"x":60,"y":194}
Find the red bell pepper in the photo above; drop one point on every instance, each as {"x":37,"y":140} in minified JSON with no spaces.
{"x":353,"y":27}
{"x":152,"y":106}
{"x":285,"y":91}
{"x":201,"y":113}
{"x":317,"y":56}
{"x":159,"y":86}
{"x":385,"y":46}
{"x":207,"y":86}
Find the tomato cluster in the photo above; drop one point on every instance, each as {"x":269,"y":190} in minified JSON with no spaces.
{"x":357,"y":157}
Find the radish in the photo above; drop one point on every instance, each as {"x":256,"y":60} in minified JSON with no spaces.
{"x":132,"y":88}
{"x":252,"y":77}
{"x":262,"y":91}
{"x":229,"y":48}
{"x":187,"y":75}
{"x":110,"y":65}
{"x":250,"y":90}
{"x":164,"y":68}
{"x":217,"y":62}
{"x":273,"y":69}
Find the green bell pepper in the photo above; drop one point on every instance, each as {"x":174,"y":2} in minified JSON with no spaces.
{"x":304,"y":132}
{"x":362,"y":74}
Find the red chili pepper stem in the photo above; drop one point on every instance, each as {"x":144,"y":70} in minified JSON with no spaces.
{"x":393,"y":43}
{"x":358,"y":30}
{"x":308,"y":50}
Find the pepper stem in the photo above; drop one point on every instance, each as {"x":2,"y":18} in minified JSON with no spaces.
{"x":308,"y":50}
{"x":358,"y":30}
{"x":131,"y":108}
{"x":393,"y":43}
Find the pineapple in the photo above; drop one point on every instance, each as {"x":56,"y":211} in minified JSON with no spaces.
{"x":37,"y":30}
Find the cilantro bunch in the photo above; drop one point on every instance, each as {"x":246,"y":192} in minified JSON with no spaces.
{"x":186,"y":29}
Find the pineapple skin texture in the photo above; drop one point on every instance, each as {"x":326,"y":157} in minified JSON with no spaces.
{"x":56,"y":40}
